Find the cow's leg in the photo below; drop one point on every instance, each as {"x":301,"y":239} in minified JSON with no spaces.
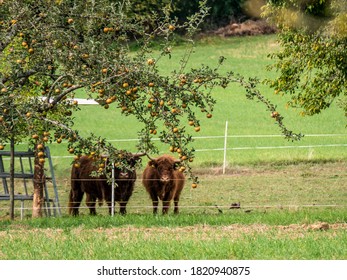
{"x":126,"y":193}
{"x":91,"y":201}
{"x":166,"y":203}
{"x":123,"y":209}
{"x":75,"y":198}
{"x":176,"y":200}
{"x":155,"y":202}
{"x":109,"y":204}
{"x":166,"y":206}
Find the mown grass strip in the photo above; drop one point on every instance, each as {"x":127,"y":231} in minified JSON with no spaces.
{"x":255,"y":241}
{"x":268,"y":217}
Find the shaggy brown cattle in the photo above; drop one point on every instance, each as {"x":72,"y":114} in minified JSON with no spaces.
{"x":163,"y":182}
{"x":98,"y":188}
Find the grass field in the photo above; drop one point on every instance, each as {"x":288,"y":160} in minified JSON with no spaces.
{"x":293,"y":200}
{"x":184,"y":237}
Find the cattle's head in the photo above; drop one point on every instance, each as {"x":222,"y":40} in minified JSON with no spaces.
{"x":165,"y":166}
{"x":126,"y":169}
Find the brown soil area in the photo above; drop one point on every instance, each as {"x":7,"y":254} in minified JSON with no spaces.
{"x":247,"y":28}
{"x":235,"y":230}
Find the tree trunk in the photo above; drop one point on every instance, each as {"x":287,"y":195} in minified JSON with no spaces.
{"x":12,"y":179}
{"x":39,"y":182}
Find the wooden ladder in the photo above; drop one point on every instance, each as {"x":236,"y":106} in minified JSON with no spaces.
{"x":25,"y":176}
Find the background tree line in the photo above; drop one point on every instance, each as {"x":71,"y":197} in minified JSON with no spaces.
{"x":221,"y":11}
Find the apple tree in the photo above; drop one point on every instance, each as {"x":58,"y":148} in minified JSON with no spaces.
{"x":312,"y":62}
{"x":53,"y":50}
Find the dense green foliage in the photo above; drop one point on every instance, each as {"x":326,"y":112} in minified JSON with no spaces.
{"x":312,"y":64}
{"x":221,"y":12}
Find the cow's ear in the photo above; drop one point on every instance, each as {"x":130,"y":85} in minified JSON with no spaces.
{"x":176,"y":165}
{"x":152,"y":163}
{"x":136,"y":159}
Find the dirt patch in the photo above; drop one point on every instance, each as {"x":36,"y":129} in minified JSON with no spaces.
{"x":247,"y":28}
{"x":198,"y":232}
{"x":212,"y":232}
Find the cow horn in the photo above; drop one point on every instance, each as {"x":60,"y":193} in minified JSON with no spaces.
{"x":139,"y":154}
{"x":149,"y":157}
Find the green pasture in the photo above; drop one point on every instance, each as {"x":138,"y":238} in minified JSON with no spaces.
{"x":253,"y":136}
{"x":286,"y":190}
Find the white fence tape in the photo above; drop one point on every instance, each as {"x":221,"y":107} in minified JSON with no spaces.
{"x":237,"y":136}
{"x":274,"y":147}
{"x":225,"y":148}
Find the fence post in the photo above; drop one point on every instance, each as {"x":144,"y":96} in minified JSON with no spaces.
{"x":112,"y":192}
{"x":225,"y":146}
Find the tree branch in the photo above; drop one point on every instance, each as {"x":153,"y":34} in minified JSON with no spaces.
{"x":8,"y":39}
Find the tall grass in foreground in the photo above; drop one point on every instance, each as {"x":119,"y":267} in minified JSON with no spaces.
{"x":236,"y":235}
{"x":200,"y":244}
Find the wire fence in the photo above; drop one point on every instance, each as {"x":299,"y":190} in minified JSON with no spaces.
{"x":266,"y":192}
{"x":228,"y":147}
{"x":192,"y":200}
{"x":253,"y":136}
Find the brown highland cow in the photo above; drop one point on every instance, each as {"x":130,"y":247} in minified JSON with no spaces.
{"x":163,"y":182}
{"x":98,"y":188}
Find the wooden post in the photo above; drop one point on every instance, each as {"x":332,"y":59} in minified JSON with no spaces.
{"x":39,"y":183}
